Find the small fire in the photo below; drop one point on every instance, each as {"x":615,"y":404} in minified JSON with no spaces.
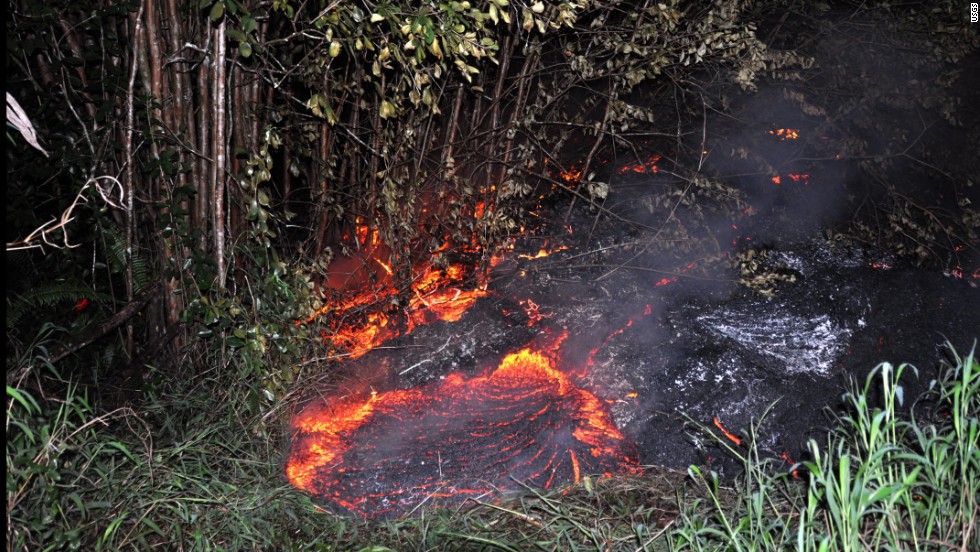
{"x":571,"y":175}
{"x":668,"y":280}
{"x":357,"y":325}
{"x":542,"y":253}
{"x":731,"y":436}
{"x":524,"y":421}
{"x":648,"y":166}
{"x":785,"y":456}
{"x":785,"y":133}
{"x":803,"y":178}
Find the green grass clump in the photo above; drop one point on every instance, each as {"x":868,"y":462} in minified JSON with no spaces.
{"x":189,"y":468}
{"x":880,"y":482}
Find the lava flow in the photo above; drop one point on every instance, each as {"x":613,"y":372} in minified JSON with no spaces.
{"x":461,"y":437}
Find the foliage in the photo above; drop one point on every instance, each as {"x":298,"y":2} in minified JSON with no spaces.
{"x":185,"y":470}
{"x":243,"y":171}
{"x":190,"y":471}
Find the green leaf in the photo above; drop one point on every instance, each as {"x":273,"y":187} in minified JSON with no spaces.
{"x":123,"y":449}
{"x":23,"y":399}
{"x":245,"y":48}
{"x":248,"y":23}
{"x":217,"y":11}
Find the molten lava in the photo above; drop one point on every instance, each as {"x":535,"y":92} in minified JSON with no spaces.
{"x":524,"y":421}
{"x":357,"y":324}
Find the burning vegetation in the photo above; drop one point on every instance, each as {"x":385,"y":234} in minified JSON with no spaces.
{"x":523,"y":420}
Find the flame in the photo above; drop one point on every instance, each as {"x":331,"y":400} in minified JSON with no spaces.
{"x":357,"y":326}
{"x":785,"y":456}
{"x":525,"y":420}
{"x":674,"y":278}
{"x":731,"y":436}
{"x":795,"y":177}
{"x":365,"y":235}
{"x":543,"y":252}
{"x":785,"y":133}
{"x":571,"y":175}
{"x":648,"y":166}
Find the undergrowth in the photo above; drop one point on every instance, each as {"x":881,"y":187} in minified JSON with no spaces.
{"x":189,"y":468}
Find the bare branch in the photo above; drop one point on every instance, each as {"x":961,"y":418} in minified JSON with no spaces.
{"x":17,"y":118}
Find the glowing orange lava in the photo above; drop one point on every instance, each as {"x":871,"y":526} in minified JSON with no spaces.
{"x":524,"y":421}
{"x":356,"y":324}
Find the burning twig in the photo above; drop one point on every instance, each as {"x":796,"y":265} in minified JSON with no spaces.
{"x":731,"y":436}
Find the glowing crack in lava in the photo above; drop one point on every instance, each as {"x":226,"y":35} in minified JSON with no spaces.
{"x":461,"y":437}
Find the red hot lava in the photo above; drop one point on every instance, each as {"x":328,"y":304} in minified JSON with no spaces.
{"x":525,"y":421}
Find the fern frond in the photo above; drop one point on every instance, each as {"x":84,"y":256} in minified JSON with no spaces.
{"x":46,"y":295}
{"x":116,"y":260}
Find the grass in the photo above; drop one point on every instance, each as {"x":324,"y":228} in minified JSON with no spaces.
{"x":880,"y":482}
{"x":190,"y":468}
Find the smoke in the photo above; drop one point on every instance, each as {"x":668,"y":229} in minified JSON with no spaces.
{"x":523,"y":421}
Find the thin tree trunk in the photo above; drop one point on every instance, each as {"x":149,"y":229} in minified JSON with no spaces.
{"x":206,"y":161}
{"x":130,"y":186}
{"x":218,"y":147}
{"x":186,"y":131}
